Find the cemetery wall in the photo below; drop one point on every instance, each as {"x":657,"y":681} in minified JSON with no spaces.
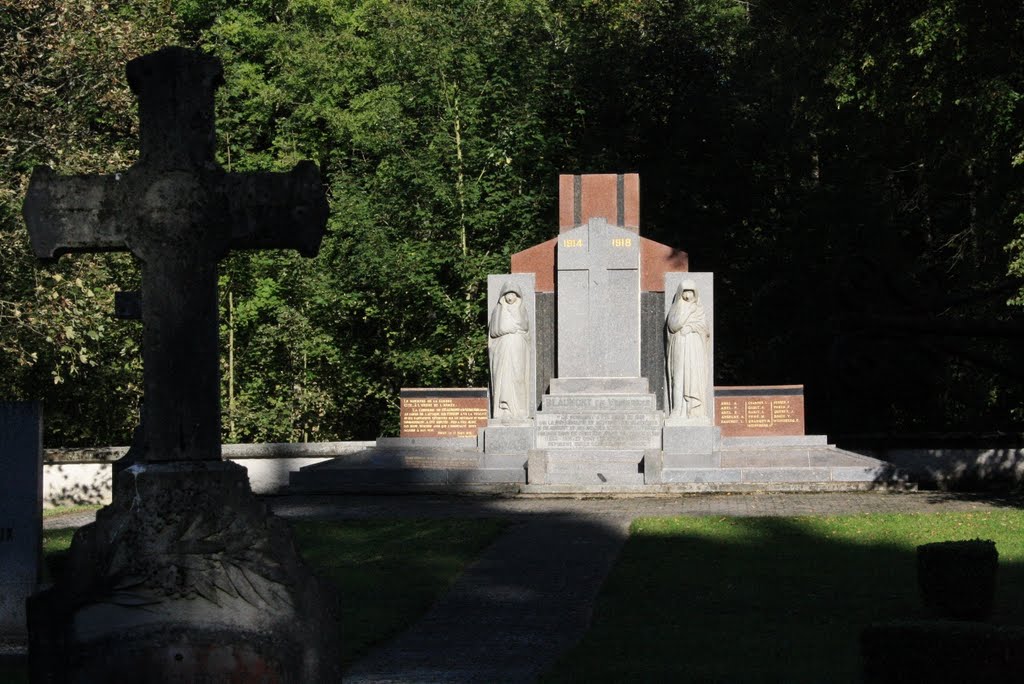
{"x":83,"y":476}
{"x":955,"y":468}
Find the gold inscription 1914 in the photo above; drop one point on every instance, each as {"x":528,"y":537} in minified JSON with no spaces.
{"x":569,"y":242}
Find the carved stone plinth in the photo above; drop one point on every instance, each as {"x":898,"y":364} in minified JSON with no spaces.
{"x":185,"y":577}
{"x":691,"y":438}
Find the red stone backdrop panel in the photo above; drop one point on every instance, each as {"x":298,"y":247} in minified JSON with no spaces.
{"x":656,"y":260}
{"x":614,"y":197}
{"x":539,"y":260}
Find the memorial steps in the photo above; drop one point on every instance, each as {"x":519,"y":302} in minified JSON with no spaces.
{"x":793,"y":464}
{"x":597,"y":437}
{"x":594,"y":431}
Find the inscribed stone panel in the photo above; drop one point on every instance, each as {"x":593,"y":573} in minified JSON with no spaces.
{"x":442,"y":411}
{"x":774,"y":410}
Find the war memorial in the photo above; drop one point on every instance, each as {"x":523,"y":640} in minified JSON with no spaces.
{"x":601,"y":346}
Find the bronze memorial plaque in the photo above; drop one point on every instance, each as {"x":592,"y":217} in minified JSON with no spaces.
{"x":443,"y":411}
{"x":760,"y":411}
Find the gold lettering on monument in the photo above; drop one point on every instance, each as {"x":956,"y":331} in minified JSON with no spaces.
{"x":440,"y":417}
{"x":730,"y":412}
{"x":760,"y":415}
{"x":622,"y":242}
{"x":570,"y":242}
{"x":782,"y":412}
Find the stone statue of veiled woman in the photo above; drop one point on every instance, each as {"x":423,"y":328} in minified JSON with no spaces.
{"x":509,"y":345}
{"x":686,"y":355}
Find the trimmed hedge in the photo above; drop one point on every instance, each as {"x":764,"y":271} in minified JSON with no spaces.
{"x":957,"y":579}
{"x":942,"y":651}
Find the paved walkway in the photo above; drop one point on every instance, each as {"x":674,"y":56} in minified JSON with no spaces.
{"x":528,"y":597}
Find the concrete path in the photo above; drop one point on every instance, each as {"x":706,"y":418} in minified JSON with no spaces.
{"x":528,"y":597}
{"x":522,"y":603}
{"x":626,"y":508}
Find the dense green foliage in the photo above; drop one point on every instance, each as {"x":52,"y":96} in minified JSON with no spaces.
{"x":790,"y":594}
{"x":849,"y":173}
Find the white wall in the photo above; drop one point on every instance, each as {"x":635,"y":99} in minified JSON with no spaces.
{"x":71,"y":477}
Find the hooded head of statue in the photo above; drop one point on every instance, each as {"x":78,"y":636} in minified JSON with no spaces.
{"x":509,"y":314}
{"x":507,"y":288}
{"x":684,"y":287}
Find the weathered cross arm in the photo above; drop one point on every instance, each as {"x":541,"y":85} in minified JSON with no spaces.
{"x":74,"y":214}
{"x":277,"y":210}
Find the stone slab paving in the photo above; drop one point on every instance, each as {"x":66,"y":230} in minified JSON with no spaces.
{"x":629,"y":507}
{"x":361,"y":507}
{"x":522,"y":603}
{"x":529,"y":596}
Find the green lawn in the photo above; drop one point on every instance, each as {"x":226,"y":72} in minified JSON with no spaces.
{"x":770,"y":599}
{"x":65,"y":510}
{"x":691,"y":599}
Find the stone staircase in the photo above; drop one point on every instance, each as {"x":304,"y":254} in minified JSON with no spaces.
{"x":594,"y":431}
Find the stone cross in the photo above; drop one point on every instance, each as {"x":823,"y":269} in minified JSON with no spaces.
{"x":178,"y":212}
{"x":598,"y":302}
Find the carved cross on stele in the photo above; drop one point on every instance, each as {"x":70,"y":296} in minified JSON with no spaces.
{"x":179,"y":212}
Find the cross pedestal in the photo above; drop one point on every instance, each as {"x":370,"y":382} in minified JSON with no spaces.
{"x":184,"y":577}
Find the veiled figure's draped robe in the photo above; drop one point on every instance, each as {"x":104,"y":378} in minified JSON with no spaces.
{"x":509,"y":332}
{"x":687,"y":356}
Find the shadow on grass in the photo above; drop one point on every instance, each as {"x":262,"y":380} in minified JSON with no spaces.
{"x":690,"y":599}
{"x":523,"y":601}
{"x":998,"y":497}
{"x":388,"y":572}
{"x":769,"y":599}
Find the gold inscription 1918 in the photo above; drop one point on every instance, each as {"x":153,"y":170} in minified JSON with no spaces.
{"x":572,"y":243}
{"x":622,"y":242}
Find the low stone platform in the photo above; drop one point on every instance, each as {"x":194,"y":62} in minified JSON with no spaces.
{"x":412,"y":468}
{"x":590,"y":467}
{"x":807,"y":465}
{"x":815,"y":465}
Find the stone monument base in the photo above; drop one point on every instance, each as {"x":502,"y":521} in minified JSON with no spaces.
{"x":593,"y":431}
{"x":685,"y":438}
{"x":505,"y":437}
{"x":590,"y":467}
{"x":184,"y":577}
